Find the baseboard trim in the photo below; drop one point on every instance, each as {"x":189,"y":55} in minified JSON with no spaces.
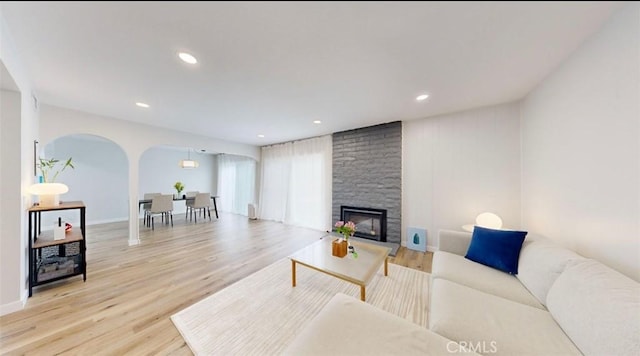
{"x":429,"y":247}
{"x":13,"y":306}
{"x":105,"y":221}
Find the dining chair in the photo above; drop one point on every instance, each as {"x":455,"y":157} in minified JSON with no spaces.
{"x":202,"y":201}
{"x":188,"y":202}
{"x":147,"y":206}
{"x":160,"y":205}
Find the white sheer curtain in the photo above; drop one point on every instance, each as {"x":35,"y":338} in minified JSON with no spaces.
{"x":274,"y":181}
{"x":236,"y":183}
{"x":295,"y":183}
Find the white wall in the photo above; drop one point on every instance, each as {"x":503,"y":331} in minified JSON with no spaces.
{"x":581,"y":151}
{"x":458,"y":165}
{"x":13,"y":271}
{"x":159,"y":171}
{"x":10,"y":243}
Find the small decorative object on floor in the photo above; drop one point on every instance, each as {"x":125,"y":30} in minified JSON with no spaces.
{"x":339,"y":248}
{"x":346,"y":229}
{"x":417,"y":239}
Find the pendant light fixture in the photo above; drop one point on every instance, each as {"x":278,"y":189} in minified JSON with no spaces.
{"x":188,"y":163}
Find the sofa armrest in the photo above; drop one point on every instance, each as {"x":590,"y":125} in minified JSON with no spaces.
{"x":454,"y":241}
{"x":348,"y":326}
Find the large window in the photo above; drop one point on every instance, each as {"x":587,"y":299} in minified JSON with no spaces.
{"x":236,"y":183}
{"x":295,"y":184}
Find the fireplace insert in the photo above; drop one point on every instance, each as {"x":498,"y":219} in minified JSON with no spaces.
{"x":370,"y":223}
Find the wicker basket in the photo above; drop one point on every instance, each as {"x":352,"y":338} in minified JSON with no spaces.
{"x":72,"y":249}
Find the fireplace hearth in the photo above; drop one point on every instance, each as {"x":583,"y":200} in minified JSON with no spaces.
{"x":370,"y":223}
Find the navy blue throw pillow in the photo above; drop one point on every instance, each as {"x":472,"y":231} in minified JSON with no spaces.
{"x":499,"y":249}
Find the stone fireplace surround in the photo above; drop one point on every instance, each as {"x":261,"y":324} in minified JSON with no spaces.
{"x":367,"y":171}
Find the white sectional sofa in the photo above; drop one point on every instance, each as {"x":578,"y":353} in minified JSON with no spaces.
{"x":348,"y":326}
{"x":559,"y":304}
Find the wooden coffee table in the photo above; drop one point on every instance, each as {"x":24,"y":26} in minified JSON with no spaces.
{"x":358,"y":270}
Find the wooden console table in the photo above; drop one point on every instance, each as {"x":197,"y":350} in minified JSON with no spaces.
{"x":52,"y":260}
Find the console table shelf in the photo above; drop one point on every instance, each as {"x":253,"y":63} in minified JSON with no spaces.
{"x":44,"y":240}
{"x":52,"y":260}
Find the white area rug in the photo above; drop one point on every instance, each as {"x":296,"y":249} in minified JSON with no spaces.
{"x":262,"y":313}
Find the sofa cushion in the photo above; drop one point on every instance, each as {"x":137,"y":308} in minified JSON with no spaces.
{"x":598,"y":308}
{"x":496,"y":248}
{"x":471,"y":274}
{"x":347,"y":326}
{"x":494,"y":325}
{"x":541,"y":262}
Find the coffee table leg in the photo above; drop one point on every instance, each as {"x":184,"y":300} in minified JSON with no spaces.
{"x":362,"y":293}
{"x":293,"y":273}
{"x":386,"y":266}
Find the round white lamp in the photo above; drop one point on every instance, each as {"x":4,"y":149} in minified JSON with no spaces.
{"x":488,"y":220}
{"x":48,"y":193}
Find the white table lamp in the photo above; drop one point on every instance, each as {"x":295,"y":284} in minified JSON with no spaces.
{"x":48,"y":193}
{"x":488,"y":220}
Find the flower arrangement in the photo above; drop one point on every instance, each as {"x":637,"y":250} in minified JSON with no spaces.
{"x":179,"y":187}
{"x":346,"y":229}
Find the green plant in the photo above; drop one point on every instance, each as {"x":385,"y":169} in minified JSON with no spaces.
{"x":179,"y":187}
{"x":48,"y":166}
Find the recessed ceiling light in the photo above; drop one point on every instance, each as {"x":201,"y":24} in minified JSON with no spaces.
{"x":142,"y":105}
{"x":422,"y":97}
{"x":188,"y":58}
{"x":261,"y":136}
{"x":317,"y":122}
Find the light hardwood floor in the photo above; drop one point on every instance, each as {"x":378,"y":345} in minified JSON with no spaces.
{"x":130,"y":292}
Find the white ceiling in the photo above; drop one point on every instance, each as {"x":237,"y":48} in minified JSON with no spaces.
{"x":273,"y":67}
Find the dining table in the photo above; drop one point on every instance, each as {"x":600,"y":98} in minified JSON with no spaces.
{"x":213,"y":197}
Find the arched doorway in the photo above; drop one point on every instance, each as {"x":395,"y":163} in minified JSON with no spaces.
{"x":100,"y":178}
{"x":159,"y":170}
